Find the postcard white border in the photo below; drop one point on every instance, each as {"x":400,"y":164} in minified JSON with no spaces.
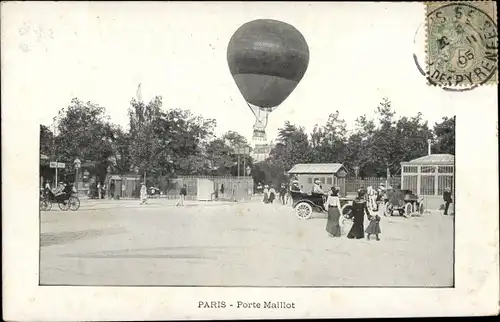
{"x":477,"y":253}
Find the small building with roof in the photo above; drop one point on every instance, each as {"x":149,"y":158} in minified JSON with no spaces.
{"x":429,"y":176}
{"x":329,"y":174}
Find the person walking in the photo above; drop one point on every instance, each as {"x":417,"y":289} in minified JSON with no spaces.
{"x":272,"y":194}
{"x":182,"y":196}
{"x":99,"y":191}
{"x":359,"y":209}
{"x":372,"y":197}
{"x":283,"y":192}
{"x":333,"y":227}
{"x":447,"y":200}
{"x":373,"y":227}
{"x":266,"y":193}
{"x":144,"y":194}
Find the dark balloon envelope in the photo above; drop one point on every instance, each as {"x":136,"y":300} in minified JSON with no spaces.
{"x":267,"y":59}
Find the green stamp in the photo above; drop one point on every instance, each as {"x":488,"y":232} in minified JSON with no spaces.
{"x":462,"y":43}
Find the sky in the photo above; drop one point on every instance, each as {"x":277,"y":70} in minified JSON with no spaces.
{"x":100,"y":52}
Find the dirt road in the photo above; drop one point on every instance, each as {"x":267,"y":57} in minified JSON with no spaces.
{"x":249,"y":244}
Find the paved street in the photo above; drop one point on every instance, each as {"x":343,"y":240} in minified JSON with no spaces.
{"x":229,"y":244}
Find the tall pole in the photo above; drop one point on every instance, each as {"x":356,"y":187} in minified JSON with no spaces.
{"x":429,"y":147}
{"x":238,"y":172}
{"x":244,"y":168}
{"x":54,"y":149}
{"x":388,"y":177}
{"x":57,"y":163}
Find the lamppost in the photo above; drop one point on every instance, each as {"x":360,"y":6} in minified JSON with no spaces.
{"x":356,"y":172}
{"x":77,"y":164}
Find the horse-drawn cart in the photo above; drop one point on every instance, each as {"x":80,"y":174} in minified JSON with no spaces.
{"x":66,"y":201}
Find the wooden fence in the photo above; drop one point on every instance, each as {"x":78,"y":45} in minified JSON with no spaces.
{"x":224,"y":187}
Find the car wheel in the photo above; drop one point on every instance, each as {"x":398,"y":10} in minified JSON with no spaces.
{"x":408,"y":210}
{"x":346,"y":211}
{"x":303,"y":210}
{"x":388,"y":209}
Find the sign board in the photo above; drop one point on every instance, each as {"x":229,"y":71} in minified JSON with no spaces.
{"x":243,"y":150}
{"x":59,"y":165}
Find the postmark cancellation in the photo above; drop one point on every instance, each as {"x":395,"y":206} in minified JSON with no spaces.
{"x":461,"y":43}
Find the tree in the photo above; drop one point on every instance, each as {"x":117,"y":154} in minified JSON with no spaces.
{"x":221,"y":154}
{"x":328,"y":142}
{"x":147,"y":139}
{"x":293,"y":147}
{"x":121,"y":150}
{"x":445,"y":136}
{"x":84,"y":131}
{"x":46,"y":141}
{"x":166,"y":142}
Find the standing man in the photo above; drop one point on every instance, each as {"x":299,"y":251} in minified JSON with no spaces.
{"x":283,"y":192}
{"x":103,"y":188}
{"x":99,"y":191}
{"x":182,"y":196}
{"x":447,"y":200}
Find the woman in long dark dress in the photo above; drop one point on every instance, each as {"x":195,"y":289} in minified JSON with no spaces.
{"x":332,"y":204}
{"x":359,"y":209}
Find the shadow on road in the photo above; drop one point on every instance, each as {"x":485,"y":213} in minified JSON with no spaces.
{"x":49,"y":239}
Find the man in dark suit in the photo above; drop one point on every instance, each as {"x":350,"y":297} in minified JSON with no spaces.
{"x":447,"y":200}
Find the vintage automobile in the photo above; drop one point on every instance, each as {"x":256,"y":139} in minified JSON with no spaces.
{"x":305,"y":204}
{"x":346,"y":206}
{"x":405,"y":202}
{"x":66,"y":201}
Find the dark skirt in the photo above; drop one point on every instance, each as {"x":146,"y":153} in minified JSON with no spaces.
{"x":332,"y":224}
{"x":356,"y":230}
{"x":266,"y":200}
{"x":271,"y":197}
{"x":373,"y":227}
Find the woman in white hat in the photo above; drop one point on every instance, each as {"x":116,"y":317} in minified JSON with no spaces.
{"x":144,"y":193}
{"x":317,"y":188}
{"x":266,"y":193}
{"x":333,"y":227}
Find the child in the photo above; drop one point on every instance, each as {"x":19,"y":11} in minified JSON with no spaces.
{"x":373,"y":227}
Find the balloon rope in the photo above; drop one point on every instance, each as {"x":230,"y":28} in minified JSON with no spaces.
{"x":257,"y":116}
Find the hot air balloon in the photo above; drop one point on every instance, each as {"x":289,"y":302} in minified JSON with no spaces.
{"x":267,"y":59}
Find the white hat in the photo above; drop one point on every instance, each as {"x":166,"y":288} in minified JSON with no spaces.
{"x":317,"y":181}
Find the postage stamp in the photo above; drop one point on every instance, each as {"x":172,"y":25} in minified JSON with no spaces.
{"x":462,"y":43}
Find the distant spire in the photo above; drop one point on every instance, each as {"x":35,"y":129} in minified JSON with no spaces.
{"x":139,"y":93}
